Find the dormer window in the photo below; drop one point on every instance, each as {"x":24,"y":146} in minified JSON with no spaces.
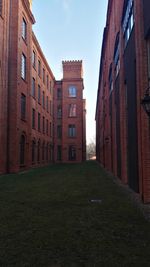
{"x":128,"y":20}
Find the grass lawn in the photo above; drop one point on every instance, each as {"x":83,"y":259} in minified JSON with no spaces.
{"x":48,"y":220}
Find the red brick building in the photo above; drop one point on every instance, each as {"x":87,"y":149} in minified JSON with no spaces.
{"x":122,"y":126}
{"x":69,"y":115}
{"x":27,"y":87}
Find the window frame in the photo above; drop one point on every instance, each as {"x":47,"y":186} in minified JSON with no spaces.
{"x":23,"y":106}
{"x":59,"y":93}
{"x":71,"y":130}
{"x":59,"y":111}
{"x":33,"y":118}
{"x":23,"y":66}
{"x":33,"y":87}
{"x":43,"y":100}
{"x":34,"y":59}
{"x":43,"y":125}
{"x":59,"y":131}
{"x":72,"y":153}
{"x":59,"y":152}
{"x":72,"y":91}
{"x":22,"y":150}
{"x":24,"y":29}
{"x":47,"y":127}
{"x":39,"y":122}
{"x":39,"y":94}
{"x":72,"y":110}
{"x":39,"y":67}
{"x":128,"y":20}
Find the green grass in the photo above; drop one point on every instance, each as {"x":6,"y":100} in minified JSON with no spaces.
{"x":48,"y":220}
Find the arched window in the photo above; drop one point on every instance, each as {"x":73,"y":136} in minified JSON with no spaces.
{"x":33,"y":151}
{"x":22,"y":150}
{"x":38,"y":151}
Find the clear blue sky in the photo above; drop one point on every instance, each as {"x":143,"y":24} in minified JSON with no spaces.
{"x":72,"y":30}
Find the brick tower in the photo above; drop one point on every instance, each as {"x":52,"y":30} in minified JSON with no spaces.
{"x":70,"y":144}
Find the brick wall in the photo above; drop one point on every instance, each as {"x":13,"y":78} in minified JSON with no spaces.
{"x":106,"y":133}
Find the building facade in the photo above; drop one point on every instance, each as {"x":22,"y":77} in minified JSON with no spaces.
{"x":27,"y":87}
{"x":122,"y":126}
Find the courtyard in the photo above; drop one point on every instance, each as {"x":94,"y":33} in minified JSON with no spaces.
{"x":70,"y":216}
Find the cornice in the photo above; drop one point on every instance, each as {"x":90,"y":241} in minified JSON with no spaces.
{"x":26,"y":5}
{"x":41,"y":53}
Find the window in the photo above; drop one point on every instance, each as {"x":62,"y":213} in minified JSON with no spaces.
{"x":59,"y":112}
{"x":72,"y":130}
{"x":59,"y":93}
{"x":59,"y":131}
{"x":22,"y":150}
{"x":43,"y":125}
{"x":51,"y":113}
{"x":43,"y":100}
{"x":38,"y":151}
{"x":43,"y":75}
{"x":23,"y":106}
{"x":116,"y":55}
{"x":50,"y":129}
{"x":39,"y":68}
{"x":33,"y":151}
{"x":43,"y":151}
{"x":33,"y":87}
{"x":110,"y":79}
{"x":128,"y":20}
{"x":23,"y":67}
{"x":72,"y":91}
{"x":47,"y":127}
{"x":47,"y":81}
{"x":59,"y":152}
{"x":33,"y":59}
{"x":50,"y":87}
{"x":47,"y":103}
{"x":72,"y":110}
{"x":47,"y":148}
{"x":33,"y":118}
{"x":72,"y":153}
{"x":39,"y":94}
{"x":51,"y":153}
{"x":39,"y":122}
{"x":24,"y":28}
{"x":148,"y":59}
